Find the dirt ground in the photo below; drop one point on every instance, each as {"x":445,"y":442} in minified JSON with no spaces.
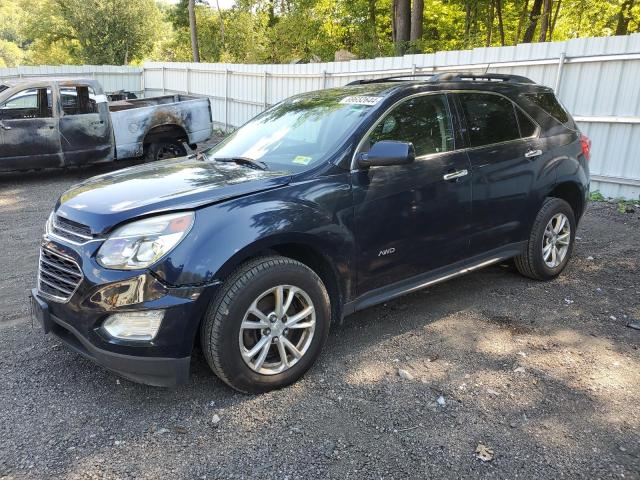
{"x":545,"y":375}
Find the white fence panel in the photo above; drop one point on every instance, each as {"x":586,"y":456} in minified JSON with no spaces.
{"x":112,"y":78}
{"x":598,"y":79}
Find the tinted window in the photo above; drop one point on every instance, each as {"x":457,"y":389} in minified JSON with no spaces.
{"x":490,"y":118}
{"x":527,"y":127}
{"x":78,"y":100}
{"x":423,"y":121}
{"x":549,"y":103}
{"x":30,"y":103}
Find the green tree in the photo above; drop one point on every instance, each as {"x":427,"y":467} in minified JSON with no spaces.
{"x":100,"y":31}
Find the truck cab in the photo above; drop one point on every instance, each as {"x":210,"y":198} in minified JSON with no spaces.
{"x":54,"y":123}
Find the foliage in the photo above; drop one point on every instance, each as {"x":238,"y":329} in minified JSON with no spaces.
{"x":280,"y":31}
{"x":596,"y":196}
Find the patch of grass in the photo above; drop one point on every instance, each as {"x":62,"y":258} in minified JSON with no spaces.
{"x":596,"y":196}
{"x":625,"y":206}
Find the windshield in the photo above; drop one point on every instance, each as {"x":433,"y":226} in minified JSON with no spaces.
{"x":297,"y":133}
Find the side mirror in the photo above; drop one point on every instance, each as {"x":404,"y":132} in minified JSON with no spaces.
{"x":386,"y":153}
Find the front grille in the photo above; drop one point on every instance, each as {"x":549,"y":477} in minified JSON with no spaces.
{"x":58,"y":276}
{"x":70,"y":230}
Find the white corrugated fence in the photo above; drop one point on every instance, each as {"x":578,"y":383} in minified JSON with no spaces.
{"x":597,"y":79}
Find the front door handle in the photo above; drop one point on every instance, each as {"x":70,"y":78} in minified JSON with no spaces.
{"x":4,"y":127}
{"x":456,"y":174}
{"x":533,"y":153}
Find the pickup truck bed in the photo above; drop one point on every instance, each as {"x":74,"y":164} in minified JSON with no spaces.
{"x":134,"y":120}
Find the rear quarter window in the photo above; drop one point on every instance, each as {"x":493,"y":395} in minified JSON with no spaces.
{"x":548,"y":102}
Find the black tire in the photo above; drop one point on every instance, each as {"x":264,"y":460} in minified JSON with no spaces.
{"x":162,"y":150}
{"x":220,"y":327}
{"x":531,"y":263}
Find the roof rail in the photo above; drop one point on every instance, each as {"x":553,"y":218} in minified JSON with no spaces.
{"x":394,"y":78}
{"x":495,"y":77}
{"x":450,"y":77}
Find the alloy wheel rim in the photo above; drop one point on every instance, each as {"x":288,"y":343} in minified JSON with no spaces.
{"x":277,"y":329}
{"x":556,"y":240}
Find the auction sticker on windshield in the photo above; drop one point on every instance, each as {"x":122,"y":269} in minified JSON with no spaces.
{"x":301,"y":159}
{"x":360,"y":100}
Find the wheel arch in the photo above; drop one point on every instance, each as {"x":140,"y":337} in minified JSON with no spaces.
{"x":306,"y":250}
{"x":166,"y":131}
{"x":571,"y":193}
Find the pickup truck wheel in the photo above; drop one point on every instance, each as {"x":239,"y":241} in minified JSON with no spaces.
{"x":267,"y":324}
{"x":163,"y":150}
{"x":550,"y":242}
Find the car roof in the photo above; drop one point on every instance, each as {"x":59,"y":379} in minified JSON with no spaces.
{"x":501,"y":83}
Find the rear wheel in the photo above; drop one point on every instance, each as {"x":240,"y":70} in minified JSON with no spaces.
{"x":162,"y":150}
{"x":550,"y":242}
{"x":267,"y":325}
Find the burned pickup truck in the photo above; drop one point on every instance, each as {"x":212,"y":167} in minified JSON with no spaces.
{"x":48,"y":123}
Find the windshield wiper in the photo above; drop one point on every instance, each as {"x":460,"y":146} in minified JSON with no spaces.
{"x":249,"y":162}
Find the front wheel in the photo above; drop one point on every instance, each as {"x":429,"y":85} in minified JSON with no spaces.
{"x":267,"y":325}
{"x":550,"y":242}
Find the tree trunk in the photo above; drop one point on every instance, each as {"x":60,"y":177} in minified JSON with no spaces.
{"x":490,"y":23}
{"x":523,"y":15}
{"x":467,"y":22}
{"x":533,"y":21}
{"x":194,"y":31}
{"x":401,"y":25}
{"x":555,"y":19}
{"x":221,"y":24}
{"x":624,"y":17}
{"x":417,"y":14}
{"x":500,"y":24}
{"x":372,"y":24}
{"x":544,"y":22}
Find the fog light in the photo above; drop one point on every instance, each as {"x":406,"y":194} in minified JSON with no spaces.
{"x":140,"y":326}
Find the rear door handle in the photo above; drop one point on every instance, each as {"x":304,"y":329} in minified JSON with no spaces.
{"x":533,"y":153}
{"x":456,"y":174}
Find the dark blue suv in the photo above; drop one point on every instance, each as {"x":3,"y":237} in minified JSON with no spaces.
{"x":325,"y":204}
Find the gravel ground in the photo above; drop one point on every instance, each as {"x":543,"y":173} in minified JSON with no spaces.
{"x":546,"y":375}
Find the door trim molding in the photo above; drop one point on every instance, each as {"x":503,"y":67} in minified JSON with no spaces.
{"x":423,"y":280}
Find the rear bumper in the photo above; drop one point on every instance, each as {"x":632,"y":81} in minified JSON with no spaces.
{"x":157,"y":371}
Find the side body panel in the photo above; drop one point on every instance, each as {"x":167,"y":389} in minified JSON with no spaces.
{"x":133,"y":119}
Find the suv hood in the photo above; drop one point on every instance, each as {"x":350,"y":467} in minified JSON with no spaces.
{"x":106,"y":200}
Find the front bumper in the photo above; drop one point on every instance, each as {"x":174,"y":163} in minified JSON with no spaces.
{"x":157,"y":371}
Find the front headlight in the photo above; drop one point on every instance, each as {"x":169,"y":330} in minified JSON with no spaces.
{"x":144,"y":242}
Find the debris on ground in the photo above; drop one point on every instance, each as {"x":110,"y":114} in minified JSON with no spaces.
{"x":404,"y":374}
{"x":519,"y":370}
{"x":484,"y":453}
{"x":635,"y":325}
{"x":441,"y":401}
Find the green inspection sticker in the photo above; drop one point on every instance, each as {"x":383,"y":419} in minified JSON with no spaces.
{"x":302,"y":160}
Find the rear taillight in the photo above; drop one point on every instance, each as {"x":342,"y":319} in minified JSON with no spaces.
{"x":585,"y":143}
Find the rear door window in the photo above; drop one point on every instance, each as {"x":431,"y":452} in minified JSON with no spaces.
{"x":29,"y":103}
{"x":548,"y":102}
{"x":527,"y":127}
{"x":78,"y":100}
{"x":490,"y":118}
